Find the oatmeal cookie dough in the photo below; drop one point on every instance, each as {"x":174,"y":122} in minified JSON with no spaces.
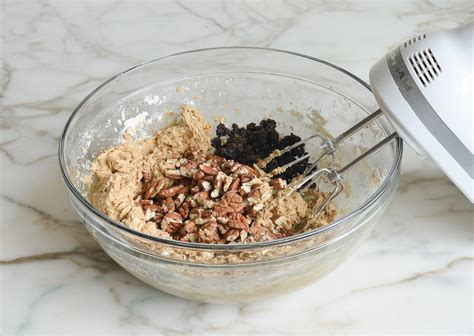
{"x":172,"y":186}
{"x":118,"y":171}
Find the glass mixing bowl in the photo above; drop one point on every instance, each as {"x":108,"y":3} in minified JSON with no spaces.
{"x":305,"y":95}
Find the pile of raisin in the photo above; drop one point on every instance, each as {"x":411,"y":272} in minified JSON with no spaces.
{"x":254,"y":142}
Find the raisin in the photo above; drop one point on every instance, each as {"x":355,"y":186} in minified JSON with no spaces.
{"x":222,"y":130}
{"x":254,"y":142}
{"x":216,"y":142}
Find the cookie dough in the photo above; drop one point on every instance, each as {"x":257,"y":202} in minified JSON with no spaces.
{"x":118,"y":171}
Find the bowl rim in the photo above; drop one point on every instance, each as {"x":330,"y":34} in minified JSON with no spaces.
{"x":384,"y":186}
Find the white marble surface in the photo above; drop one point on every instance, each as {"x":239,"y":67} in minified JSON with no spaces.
{"x":414,"y":275}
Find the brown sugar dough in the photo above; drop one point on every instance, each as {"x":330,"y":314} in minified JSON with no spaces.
{"x":117,"y":172}
{"x":281,"y":214}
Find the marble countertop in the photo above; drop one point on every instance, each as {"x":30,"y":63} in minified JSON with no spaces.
{"x":413,"y":275}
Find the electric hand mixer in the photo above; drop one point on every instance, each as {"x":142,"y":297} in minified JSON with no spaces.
{"x":424,"y":88}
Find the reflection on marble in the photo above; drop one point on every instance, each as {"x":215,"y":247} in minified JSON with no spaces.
{"x":414,"y":274}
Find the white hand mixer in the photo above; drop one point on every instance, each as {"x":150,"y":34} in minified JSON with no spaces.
{"x":424,"y":88}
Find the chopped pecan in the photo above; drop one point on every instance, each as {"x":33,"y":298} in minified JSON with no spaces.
{"x":227,"y":166}
{"x":201,"y":197}
{"x":234,"y":200}
{"x":278,"y":184}
{"x":227,"y":182}
{"x":173,"y":220}
{"x":172,"y":191}
{"x":215,"y":193}
{"x":199,"y":175}
{"x":254,"y":196}
{"x":188,"y":169}
{"x":232,"y":235}
{"x":195,"y":213}
{"x":208,"y":233}
{"x":205,"y":185}
{"x":174,"y":174}
{"x":235,"y":167}
{"x":190,"y":226}
{"x":222,"y":208}
{"x":168,"y":205}
{"x":238,"y":221}
{"x":151,"y":207}
{"x":208,"y":169}
{"x":219,"y":180}
{"x":184,"y":210}
{"x":157,"y":218}
{"x":214,"y":158}
{"x":145,"y":202}
{"x":235,"y":184}
{"x":156,"y":188}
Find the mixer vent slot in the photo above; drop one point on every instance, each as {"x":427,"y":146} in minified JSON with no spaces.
{"x":413,"y":40}
{"x":425,"y":65}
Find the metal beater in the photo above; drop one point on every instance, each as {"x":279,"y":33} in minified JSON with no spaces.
{"x":328,"y":148}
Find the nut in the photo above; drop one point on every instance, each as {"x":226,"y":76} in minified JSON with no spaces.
{"x":158,"y":218}
{"x":278,"y":184}
{"x":235,"y":167}
{"x":208,"y":169}
{"x":204,"y":185}
{"x":174,"y":174}
{"x":206,"y":214}
{"x":184,"y":210}
{"x":254,"y":196}
{"x":190,"y":227}
{"x":219,"y":180}
{"x":232,"y":198}
{"x":208,"y":233}
{"x":215,"y":193}
{"x":156,"y":188}
{"x":235,"y":184}
{"x":172,"y":191}
{"x":232,"y":235}
{"x":214,"y":158}
{"x":227,"y":182}
{"x":151,"y":207}
{"x":238,"y":221}
{"x":201,"y":197}
{"x":227,"y":166}
{"x":195,"y":213}
{"x":172,"y":220}
{"x":199,"y":175}
{"x":222,"y":209}
{"x":188,"y":169}
{"x":168,"y":205}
